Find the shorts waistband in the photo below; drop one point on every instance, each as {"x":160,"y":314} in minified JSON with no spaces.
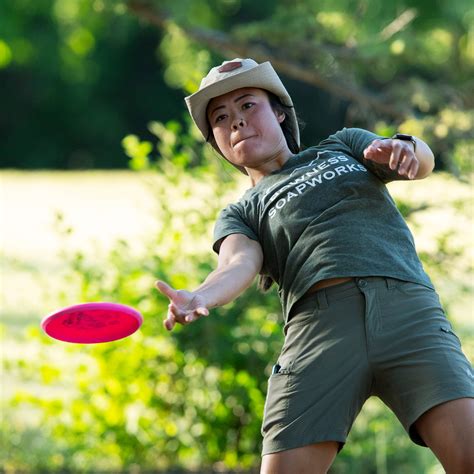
{"x":353,"y":286}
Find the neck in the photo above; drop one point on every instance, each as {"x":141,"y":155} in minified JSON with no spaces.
{"x":273,"y":164}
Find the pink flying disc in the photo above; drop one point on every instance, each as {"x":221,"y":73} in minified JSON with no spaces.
{"x":90,"y":323}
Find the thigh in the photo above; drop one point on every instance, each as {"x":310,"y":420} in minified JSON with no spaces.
{"x":324,"y":376}
{"x":313,"y":459}
{"x":448,"y":430}
{"x":419,"y":361}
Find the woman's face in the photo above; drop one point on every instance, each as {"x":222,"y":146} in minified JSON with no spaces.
{"x":246,"y":128}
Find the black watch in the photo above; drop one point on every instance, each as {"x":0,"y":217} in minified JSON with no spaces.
{"x":408,"y":138}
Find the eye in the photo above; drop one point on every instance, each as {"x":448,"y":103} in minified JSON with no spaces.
{"x":248,"y":105}
{"x":220,"y":118}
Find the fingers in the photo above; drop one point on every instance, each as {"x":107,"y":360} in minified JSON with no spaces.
{"x":169,"y":322}
{"x":403,"y":159}
{"x":175,"y":315}
{"x":184,"y":308}
{"x":413,"y":171}
{"x":165,"y":289}
{"x":180,"y":309}
{"x":378,"y":151}
{"x":408,"y":166}
{"x":397,"y":154}
{"x":394,"y":157}
{"x":172,"y":316}
{"x":196,"y":314}
{"x":371,"y":151}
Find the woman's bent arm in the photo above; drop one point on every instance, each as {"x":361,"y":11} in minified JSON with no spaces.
{"x":400,"y":157}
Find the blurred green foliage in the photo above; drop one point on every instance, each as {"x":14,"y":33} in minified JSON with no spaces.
{"x":78,"y":75}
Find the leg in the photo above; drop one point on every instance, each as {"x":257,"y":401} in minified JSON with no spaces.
{"x":448,"y":430}
{"x":316,"y":390}
{"x":424,"y":377}
{"x":312,"y":459}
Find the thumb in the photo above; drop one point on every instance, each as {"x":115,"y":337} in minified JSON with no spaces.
{"x":202,"y":311}
{"x":375,"y":151}
{"x":166,"y":289}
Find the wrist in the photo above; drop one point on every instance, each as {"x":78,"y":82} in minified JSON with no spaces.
{"x":406,"y":138}
{"x":206,"y":297}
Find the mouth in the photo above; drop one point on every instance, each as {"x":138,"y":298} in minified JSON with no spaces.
{"x":240,"y":140}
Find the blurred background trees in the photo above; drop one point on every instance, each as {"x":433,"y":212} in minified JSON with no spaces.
{"x":78,"y":74}
{"x":99,"y":84}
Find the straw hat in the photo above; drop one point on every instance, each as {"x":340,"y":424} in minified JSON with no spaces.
{"x":231,"y":75}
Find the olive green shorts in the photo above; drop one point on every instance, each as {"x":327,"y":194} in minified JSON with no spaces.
{"x":343,"y":344}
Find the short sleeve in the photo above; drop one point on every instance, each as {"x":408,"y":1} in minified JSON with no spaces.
{"x":231,"y":221}
{"x":353,"y":140}
{"x":357,"y":140}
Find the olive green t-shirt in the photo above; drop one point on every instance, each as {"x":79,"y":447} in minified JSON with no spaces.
{"x":325,"y":214}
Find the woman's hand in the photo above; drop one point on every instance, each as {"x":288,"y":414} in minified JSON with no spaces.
{"x":240,"y":260}
{"x":185,"y":306}
{"x":398,"y":154}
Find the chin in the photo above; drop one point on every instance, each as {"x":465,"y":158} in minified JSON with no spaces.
{"x":249,"y":162}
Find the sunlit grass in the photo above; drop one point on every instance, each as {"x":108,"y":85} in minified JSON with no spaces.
{"x":103,"y":207}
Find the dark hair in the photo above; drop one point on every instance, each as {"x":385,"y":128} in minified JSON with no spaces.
{"x":288,"y":127}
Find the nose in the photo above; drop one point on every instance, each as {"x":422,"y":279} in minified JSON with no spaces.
{"x":237,"y":123}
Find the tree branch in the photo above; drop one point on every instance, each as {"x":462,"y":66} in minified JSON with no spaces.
{"x":398,"y":24}
{"x":228,"y":47}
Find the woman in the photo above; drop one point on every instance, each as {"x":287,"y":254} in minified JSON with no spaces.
{"x":361,"y":315}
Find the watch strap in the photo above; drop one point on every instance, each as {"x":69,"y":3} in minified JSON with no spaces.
{"x":408,"y":138}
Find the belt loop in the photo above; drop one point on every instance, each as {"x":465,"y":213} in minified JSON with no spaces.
{"x":322,"y":299}
{"x":391,"y":283}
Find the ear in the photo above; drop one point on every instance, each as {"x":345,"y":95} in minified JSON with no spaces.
{"x":280,"y":116}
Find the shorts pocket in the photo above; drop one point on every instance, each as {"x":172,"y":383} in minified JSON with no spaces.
{"x":445,"y":329}
{"x":303,"y":311}
{"x":302,"y":318}
{"x":420,"y":293}
{"x":277,"y":402}
{"x":409,"y":287}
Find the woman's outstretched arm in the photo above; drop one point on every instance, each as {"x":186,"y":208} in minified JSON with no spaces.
{"x":240,"y":260}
